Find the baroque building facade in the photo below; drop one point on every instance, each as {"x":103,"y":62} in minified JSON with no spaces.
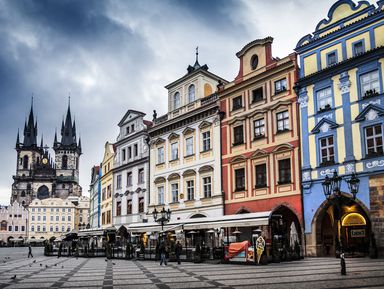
{"x":131,"y":170}
{"x":260,"y":141}
{"x":13,"y":224}
{"x":185,"y":148}
{"x":340,"y":92}
{"x":37,"y":174}
{"x":106,"y":181}
{"x":95,"y":198}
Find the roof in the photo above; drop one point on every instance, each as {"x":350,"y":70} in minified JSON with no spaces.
{"x":130,"y":111}
{"x":263,"y":41}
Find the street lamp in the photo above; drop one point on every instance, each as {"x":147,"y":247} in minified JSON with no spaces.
{"x":331,"y":188}
{"x":165,"y":216}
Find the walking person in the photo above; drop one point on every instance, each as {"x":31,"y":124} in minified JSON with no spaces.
{"x":163,"y":252}
{"x":178,"y":249}
{"x":30,"y":251}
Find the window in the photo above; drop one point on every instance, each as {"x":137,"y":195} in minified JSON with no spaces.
{"x":190,"y":190}
{"x":51,"y":228}
{"x":240,"y":179}
{"x":261,"y":175}
{"x":160,"y":155}
{"x":160,"y":195}
{"x":206,"y":141}
{"x":38,"y":228}
{"x":176,"y":100}
{"x":69,"y":210}
{"x":32,"y":228}
{"x":57,"y":218}
{"x":141,"y":205}
{"x":374,"y":140}
{"x":103,"y":218}
{"x":123,"y":153}
{"x":51,"y":218}
{"x":141,"y":176}
{"x":104,"y":195}
{"x":63,"y":228}
{"x":127,"y":130}
{"x":118,"y":182}
{"x":280,"y":85}
{"x":16,"y":228}
{"x":207,"y":187}
{"x":189,"y":146}
{"x":10,"y":228}
{"x":358,"y":48}
{"x":191,"y":93}
{"x":22,"y":228}
{"x":44,"y":218}
{"x":237,"y":102}
{"x":69,"y":218}
{"x":108,"y":217}
{"x":327,"y":150}
{"x":257,"y":94}
{"x":44,"y":228}
{"x":129,"y":152}
{"x":33,"y":217}
{"x":33,"y":209}
{"x":324,"y":99}
{"x":63,"y":218}
{"x":109,"y":191}
{"x":132,"y":127}
{"x":331,"y":58}
{"x":39,"y":218}
{"x":64,"y":162}
{"x":135,"y":150}
{"x":175,"y":192}
{"x":282,"y":121}
{"x":3,"y":226}
{"x":254,"y":61}
{"x":57,"y":228}
{"x":284,"y":171}
{"x":238,"y":135}
{"x":118,"y":208}
{"x":369,"y":83}
{"x":259,"y":128}
{"x":25,"y":162}
{"x":174,"y":151}
{"x":129,"y":179}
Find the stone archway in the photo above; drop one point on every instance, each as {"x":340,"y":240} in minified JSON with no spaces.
{"x":326,"y":228}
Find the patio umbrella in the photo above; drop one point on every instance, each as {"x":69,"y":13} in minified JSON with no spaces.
{"x":293,"y":236}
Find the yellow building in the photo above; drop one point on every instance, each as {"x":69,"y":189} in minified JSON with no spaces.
{"x":50,"y":217}
{"x":107,"y":186}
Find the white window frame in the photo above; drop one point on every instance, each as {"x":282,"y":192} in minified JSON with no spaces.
{"x":375,"y":138}
{"x":371,"y":83}
{"x":176,"y":100}
{"x":207,"y":186}
{"x":174,"y":151}
{"x":259,"y":127}
{"x":190,"y":184}
{"x":175,"y":192}
{"x":191,"y":93}
{"x":189,"y":146}
{"x":206,"y":136}
{"x":282,"y":120}
{"x":160,"y":155}
{"x":324,"y":98}
{"x":160,"y":195}
{"x":328,"y":156}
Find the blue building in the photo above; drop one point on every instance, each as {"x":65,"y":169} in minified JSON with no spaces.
{"x":95,"y":198}
{"x":340,"y":92}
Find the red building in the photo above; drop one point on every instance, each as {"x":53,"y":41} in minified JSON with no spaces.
{"x":260,"y":142}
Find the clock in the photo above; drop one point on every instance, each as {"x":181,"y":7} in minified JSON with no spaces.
{"x":44,"y":161}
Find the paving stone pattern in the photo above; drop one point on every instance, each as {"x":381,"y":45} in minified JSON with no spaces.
{"x":100,"y":273}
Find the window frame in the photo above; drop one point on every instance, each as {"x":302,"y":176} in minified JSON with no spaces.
{"x":328,"y":58}
{"x":354,"y":44}
{"x":365,"y":93}
{"x":263,"y":174}
{"x":176,"y":101}
{"x":236,"y":140}
{"x":282,"y":120}
{"x":239,"y":105}
{"x":189,"y":145}
{"x":238,"y":179}
{"x":160,"y":155}
{"x":330,"y":159}
{"x":207,"y":186}
{"x":191,"y":92}
{"x":375,"y":137}
{"x":190,"y":185}
{"x":206,"y":140}
{"x":326,"y":97}
{"x":160,"y":195}
{"x":174,"y":146}
{"x":285,"y":173}
{"x":280,"y":83}
{"x":175,"y":192}
{"x":259,"y":127}
{"x":255,"y":99}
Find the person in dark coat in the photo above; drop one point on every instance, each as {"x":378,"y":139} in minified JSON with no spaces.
{"x":163,"y":252}
{"x":30,"y":251}
{"x":178,"y":249}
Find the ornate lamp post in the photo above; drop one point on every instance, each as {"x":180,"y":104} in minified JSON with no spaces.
{"x":331,"y":189}
{"x":164,"y":217}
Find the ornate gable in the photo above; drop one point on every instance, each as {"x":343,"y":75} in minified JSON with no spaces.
{"x":371,"y":112}
{"x":324,"y":125}
{"x":188,"y":130}
{"x":204,"y":124}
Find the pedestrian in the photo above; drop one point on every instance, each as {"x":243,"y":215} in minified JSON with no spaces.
{"x":30,"y":251}
{"x":162,"y":250}
{"x":178,"y":249}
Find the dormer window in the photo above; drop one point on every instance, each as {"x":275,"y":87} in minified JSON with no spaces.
{"x":176,"y":100}
{"x":358,"y":48}
{"x":127,"y":130}
{"x":331,"y":58}
{"x":191,"y":93}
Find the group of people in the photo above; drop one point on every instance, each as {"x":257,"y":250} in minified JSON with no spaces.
{"x":164,"y":251}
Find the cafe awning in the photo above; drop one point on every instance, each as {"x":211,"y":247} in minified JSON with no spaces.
{"x":90,"y":233}
{"x":240,"y":220}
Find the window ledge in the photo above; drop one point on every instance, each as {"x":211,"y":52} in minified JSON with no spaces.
{"x":257,"y":100}
{"x":204,"y":151}
{"x":327,"y":164}
{"x":237,"y":108}
{"x":173,"y":160}
{"x":372,"y":156}
{"x":188,"y":156}
{"x":237,"y":144}
{"x":259,"y":137}
{"x":159,"y":164}
{"x":370,"y":95}
{"x":283,"y":131}
{"x":284,"y":183}
{"x":261,"y":186}
{"x":325,"y":109}
{"x":239,"y":190}
{"x":280,"y":91}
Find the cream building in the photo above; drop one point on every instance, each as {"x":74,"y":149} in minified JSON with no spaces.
{"x":185,"y":155}
{"x":107,"y":185}
{"x":82,"y":213}
{"x":50,"y":217}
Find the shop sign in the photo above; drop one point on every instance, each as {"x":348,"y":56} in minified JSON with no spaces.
{"x":358,"y":233}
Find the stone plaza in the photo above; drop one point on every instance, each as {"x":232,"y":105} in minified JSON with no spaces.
{"x":51,"y":272}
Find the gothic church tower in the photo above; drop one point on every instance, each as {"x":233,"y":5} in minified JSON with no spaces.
{"x":67,"y":156}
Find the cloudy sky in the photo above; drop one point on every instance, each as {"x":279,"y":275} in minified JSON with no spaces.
{"x":111,"y":56}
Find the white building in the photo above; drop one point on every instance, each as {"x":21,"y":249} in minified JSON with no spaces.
{"x":130,"y":170}
{"x":185,"y":154}
{"x":13,"y":223}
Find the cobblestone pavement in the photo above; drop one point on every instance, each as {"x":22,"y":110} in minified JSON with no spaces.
{"x":98,"y":273}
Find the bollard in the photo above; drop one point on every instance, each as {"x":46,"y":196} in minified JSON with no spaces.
{"x":342,"y":263}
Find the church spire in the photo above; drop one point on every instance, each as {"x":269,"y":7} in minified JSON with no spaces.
{"x":17,"y":139}
{"x":30,"y":130}
{"x":68,"y":129}
{"x":41,"y":143}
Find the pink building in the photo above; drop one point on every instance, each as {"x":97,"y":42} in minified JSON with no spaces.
{"x":13,"y":224}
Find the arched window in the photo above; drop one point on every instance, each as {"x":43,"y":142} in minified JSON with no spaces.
{"x":23,"y":194}
{"x":176,"y":100}
{"x":25,"y":162}
{"x":64,"y":162}
{"x":77,"y":163}
{"x":43,"y":193}
{"x":3,"y":226}
{"x":191,"y":93}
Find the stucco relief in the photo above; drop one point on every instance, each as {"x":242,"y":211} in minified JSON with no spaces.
{"x":371,"y":115}
{"x":328,"y":116}
{"x":326,"y":172}
{"x":306,"y":176}
{"x":364,"y":105}
{"x":344,"y":86}
{"x":350,"y":168}
{"x":303,"y":100}
{"x":374,"y":164}
{"x":325,"y":127}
